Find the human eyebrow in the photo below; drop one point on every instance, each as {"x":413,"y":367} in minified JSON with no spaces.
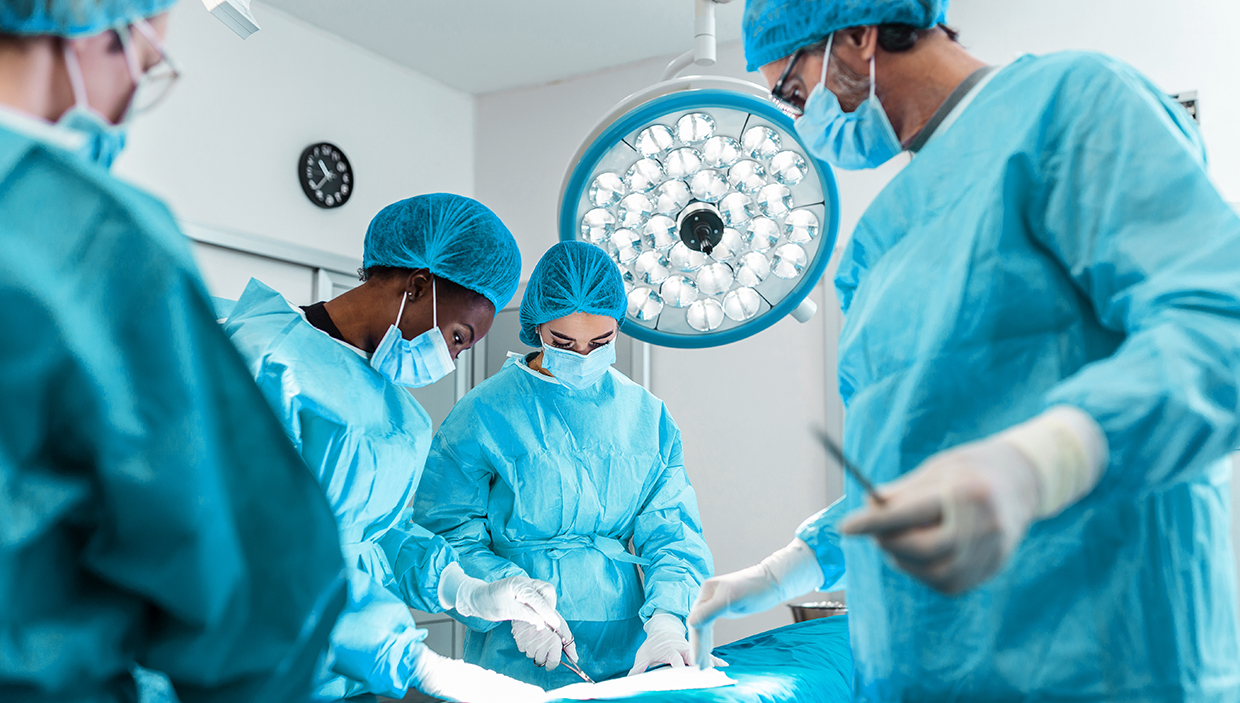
{"x":601,"y":336}
{"x":472,"y":335}
{"x":563,"y":337}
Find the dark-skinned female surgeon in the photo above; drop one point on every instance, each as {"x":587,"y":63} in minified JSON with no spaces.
{"x":151,"y":510}
{"x":437,"y":267}
{"x":551,"y":467}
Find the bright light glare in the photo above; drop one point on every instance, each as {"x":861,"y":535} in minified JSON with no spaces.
{"x":660,"y":232}
{"x":705,"y":315}
{"x":736,"y":209}
{"x":788,"y":167}
{"x":654,"y":141}
{"x":644,"y":176}
{"x":606,"y":190}
{"x":708,"y":186}
{"x":775,"y":200}
{"x":715,"y":279}
{"x":747,"y":176}
{"x":671,"y":197}
{"x":634,"y":210}
{"x":721,"y":152}
{"x":742,"y":304}
{"x":644,"y":304}
{"x":789,"y":261}
{"x":682,"y":163}
{"x":695,"y":128}
{"x":760,"y":143}
{"x":651,"y":267}
{"x":597,"y":226}
{"x":679,"y":291}
{"x":801,"y":226}
{"x":684,"y":259}
{"x":754,"y":268}
{"x":763,"y":233}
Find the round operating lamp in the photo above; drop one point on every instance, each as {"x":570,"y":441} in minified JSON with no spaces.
{"x":702,"y":193}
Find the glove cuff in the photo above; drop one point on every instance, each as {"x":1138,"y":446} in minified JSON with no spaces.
{"x":1067,"y":451}
{"x":451,"y":580}
{"x":663,"y":621}
{"x":794,"y":569}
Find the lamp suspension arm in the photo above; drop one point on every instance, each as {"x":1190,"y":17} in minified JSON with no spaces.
{"x":703,"y":52}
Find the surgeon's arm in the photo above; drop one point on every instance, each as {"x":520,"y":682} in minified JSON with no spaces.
{"x":418,"y":558}
{"x":1130,"y":211}
{"x":207,"y":512}
{"x":452,"y":501}
{"x":668,"y":532}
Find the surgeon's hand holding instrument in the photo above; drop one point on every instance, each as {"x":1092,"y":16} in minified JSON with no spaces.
{"x":514,"y":598}
{"x":790,"y":572}
{"x":956,"y":519}
{"x":545,"y":645}
{"x":571,"y":665}
{"x":455,"y":680}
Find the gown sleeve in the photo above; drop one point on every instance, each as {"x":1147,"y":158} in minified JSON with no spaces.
{"x":668,"y":532}
{"x":143,"y":443}
{"x":452,"y":502}
{"x":822,"y":534}
{"x":1129,"y":210}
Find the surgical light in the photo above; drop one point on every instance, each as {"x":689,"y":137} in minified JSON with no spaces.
{"x":700,"y":191}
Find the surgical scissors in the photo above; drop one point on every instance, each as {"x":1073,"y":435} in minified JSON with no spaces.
{"x":573,"y":667}
{"x":851,"y":468}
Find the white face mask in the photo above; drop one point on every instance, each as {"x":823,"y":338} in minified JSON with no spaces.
{"x":416,"y":362}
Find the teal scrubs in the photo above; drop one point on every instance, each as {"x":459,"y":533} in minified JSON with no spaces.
{"x":529,"y":477}
{"x":151,"y":509}
{"x":1060,"y":243}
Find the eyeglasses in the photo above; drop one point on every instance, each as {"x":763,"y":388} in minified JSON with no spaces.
{"x":153,"y":84}
{"x":783,"y":102}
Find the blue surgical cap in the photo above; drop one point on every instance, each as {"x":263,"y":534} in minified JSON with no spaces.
{"x":75,"y":18}
{"x":774,"y":29}
{"x":457,"y":238}
{"x":571,"y":277}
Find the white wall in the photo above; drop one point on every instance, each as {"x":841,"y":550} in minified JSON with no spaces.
{"x":223,"y":149}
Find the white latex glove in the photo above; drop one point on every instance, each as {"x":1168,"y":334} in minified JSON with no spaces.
{"x":666,"y":643}
{"x":954,"y":521}
{"x":544,"y":645}
{"x":790,"y":572}
{"x":455,"y":680}
{"x":514,"y":598}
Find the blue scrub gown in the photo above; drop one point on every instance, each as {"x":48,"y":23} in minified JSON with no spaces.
{"x":151,"y":510}
{"x":1061,"y":243}
{"x":365,"y":439}
{"x":530,"y":477}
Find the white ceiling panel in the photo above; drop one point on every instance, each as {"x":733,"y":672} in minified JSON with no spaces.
{"x":482,"y":46}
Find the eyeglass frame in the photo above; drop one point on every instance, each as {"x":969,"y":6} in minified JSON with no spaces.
{"x":173,"y":71}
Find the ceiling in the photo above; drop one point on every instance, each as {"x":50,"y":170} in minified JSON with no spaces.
{"x":482,"y":46}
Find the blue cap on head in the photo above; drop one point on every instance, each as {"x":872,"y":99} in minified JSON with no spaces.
{"x":571,"y":277}
{"x":774,"y":29}
{"x":455,"y":237}
{"x":75,"y":18}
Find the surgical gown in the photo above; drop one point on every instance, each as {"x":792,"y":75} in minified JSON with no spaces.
{"x":365,"y":439}
{"x":1061,"y":243}
{"x":529,"y":477}
{"x":151,"y":509}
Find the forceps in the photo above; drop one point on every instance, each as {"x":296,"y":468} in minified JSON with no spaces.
{"x":573,"y":667}
{"x":838,"y":454}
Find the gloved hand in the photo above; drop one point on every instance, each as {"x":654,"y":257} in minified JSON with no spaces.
{"x":788,"y":573}
{"x":514,"y":598}
{"x":665,"y":643}
{"x":955,"y":520}
{"x":455,"y":680}
{"x":544,"y":645}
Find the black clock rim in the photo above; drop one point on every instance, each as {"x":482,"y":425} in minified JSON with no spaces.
{"x":305,"y":186}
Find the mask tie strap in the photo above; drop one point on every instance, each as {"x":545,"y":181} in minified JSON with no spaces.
{"x":873,"y":84}
{"x":826,"y":59}
{"x":434,"y":305}
{"x":400,"y":313}
{"x":75,"y":75}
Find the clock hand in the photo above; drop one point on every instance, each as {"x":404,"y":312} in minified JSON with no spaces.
{"x":327,"y":173}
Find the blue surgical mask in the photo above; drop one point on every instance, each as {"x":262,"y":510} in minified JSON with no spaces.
{"x":853,"y":140}
{"x":416,"y":362}
{"x":577,"y":371}
{"x":102,"y":141}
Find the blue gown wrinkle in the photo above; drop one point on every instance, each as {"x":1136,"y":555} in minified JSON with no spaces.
{"x":526,"y":476}
{"x":1061,"y":243}
{"x":365,"y":440}
{"x":152,"y":509}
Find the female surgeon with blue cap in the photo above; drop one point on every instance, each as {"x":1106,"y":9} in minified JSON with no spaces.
{"x":550,"y":468}
{"x":1040,"y":364}
{"x":152,"y":513}
{"x":437,"y":267}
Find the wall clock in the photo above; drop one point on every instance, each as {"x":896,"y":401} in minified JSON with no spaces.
{"x":326,"y":175}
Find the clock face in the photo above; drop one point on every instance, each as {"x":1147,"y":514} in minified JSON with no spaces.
{"x":325,"y":174}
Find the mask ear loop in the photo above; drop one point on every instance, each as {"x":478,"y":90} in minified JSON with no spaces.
{"x":873,"y":84}
{"x":826,"y":59}
{"x":76,"y":81}
{"x":400,"y":313}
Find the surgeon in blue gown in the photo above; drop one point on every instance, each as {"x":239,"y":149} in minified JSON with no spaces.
{"x":437,"y":267}
{"x":1040,"y":364}
{"x":551,"y":468}
{"x":152,"y":512}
